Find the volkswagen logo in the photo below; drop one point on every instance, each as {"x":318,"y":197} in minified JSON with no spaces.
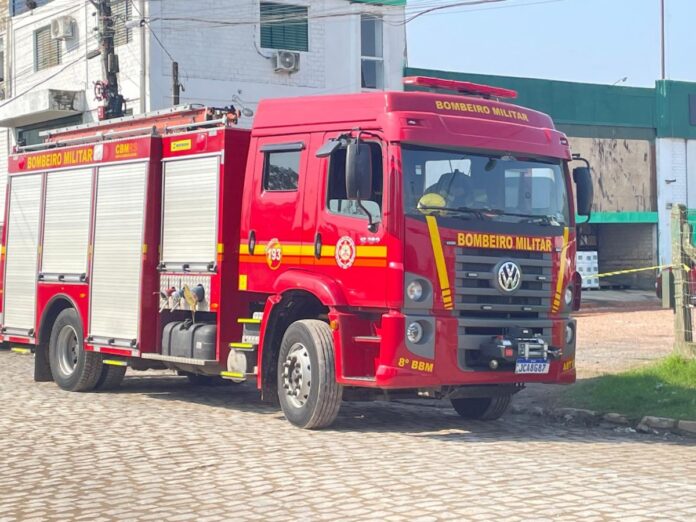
{"x":509,"y":276}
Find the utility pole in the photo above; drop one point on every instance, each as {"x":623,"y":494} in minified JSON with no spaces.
{"x":113,"y":101}
{"x":662,"y":39}
{"x":175,"y":83}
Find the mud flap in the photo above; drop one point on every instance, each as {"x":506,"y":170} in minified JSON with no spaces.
{"x":42,"y":368}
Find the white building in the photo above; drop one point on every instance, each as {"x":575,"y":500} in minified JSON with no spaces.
{"x":228,"y":52}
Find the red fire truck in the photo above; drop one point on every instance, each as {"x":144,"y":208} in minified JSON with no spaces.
{"x":357,"y":245}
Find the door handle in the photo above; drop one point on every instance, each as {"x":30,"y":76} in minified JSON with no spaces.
{"x":317,"y":245}
{"x":252,"y":242}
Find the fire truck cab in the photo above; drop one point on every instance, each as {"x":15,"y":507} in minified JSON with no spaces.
{"x":377,"y":243}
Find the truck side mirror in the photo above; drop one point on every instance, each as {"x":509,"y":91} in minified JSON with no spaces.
{"x":584,"y":193}
{"x":358,"y":171}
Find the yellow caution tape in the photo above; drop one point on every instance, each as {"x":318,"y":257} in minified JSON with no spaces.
{"x":633,"y":270}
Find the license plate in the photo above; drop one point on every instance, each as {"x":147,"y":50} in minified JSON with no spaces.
{"x":532,"y":366}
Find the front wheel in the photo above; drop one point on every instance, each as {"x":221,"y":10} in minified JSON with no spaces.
{"x":308,"y":392}
{"x":481,"y":408}
{"x":72,"y":367}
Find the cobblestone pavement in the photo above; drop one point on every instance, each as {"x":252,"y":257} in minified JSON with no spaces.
{"x":161,"y":449}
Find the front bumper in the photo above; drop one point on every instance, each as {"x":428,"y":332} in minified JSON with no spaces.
{"x":442,"y":360}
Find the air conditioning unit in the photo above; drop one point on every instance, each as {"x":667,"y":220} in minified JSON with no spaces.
{"x":62,"y":28}
{"x":287,"y":61}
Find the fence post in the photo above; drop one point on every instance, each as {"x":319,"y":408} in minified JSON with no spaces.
{"x":683,"y":254}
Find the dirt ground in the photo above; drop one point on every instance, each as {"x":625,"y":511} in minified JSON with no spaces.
{"x":611,"y":340}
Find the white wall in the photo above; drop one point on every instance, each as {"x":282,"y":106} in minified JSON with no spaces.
{"x":676,"y":184}
{"x":75,"y":72}
{"x":218,"y":62}
{"x":215,"y":63}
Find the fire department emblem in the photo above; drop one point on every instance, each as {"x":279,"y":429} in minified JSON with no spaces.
{"x":509,"y":276}
{"x":274,"y":254}
{"x":345,"y":252}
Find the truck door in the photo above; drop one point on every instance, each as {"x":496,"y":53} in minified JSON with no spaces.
{"x":345,"y":249}
{"x":274,"y":233}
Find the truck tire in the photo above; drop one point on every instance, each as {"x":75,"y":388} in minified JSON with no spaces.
{"x":111,"y":377}
{"x":308,"y":392}
{"x":481,"y":408}
{"x":72,"y":367}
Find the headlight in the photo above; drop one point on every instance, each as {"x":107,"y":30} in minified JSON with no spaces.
{"x":414,"y":291}
{"x":569,"y":334}
{"x":414,"y":332}
{"x":568,"y":296}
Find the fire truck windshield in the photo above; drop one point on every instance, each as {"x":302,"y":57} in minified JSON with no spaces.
{"x":477,"y":186}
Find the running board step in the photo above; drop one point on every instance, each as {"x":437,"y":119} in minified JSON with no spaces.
{"x":115,"y":362}
{"x":180,"y":360}
{"x":244,"y":347}
{"x":237,"y":376}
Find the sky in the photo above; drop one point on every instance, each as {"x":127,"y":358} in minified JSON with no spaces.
{"x":595,"y":41}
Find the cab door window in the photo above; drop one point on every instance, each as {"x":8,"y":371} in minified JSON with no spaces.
{"x":336,"y":201}
{"x":281,"y":170}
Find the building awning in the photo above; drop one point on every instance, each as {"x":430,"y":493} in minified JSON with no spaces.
{"x":39,"y":106}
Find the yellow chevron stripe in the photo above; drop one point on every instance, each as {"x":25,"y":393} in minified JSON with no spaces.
{"x":559,"y":284}
{"x":439,"y":256}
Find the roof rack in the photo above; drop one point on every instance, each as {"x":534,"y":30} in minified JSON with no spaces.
{"x":166,"y":121}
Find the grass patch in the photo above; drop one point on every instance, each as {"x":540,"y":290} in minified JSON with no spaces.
{"x":666,"y":388}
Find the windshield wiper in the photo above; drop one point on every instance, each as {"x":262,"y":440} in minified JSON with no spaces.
{"x":541,"y":218}
{"x":478,"y":213}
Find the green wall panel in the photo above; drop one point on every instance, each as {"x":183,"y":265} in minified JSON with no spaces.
{"x":379,"y":2}
{"x":620,"y":217}
{"x":673,"y":109}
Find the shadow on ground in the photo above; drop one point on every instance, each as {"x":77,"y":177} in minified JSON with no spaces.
{"x":426,"y":418}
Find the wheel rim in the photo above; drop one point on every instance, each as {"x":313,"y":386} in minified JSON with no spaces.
{"x":297,"y":375}
{"x":68,"y":349}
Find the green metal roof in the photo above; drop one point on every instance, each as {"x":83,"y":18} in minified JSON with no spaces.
{"x":640,"y":111}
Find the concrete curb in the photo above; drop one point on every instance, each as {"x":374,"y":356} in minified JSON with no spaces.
{"x":613,"y":421}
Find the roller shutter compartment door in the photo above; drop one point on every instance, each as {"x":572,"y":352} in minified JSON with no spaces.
{"x":117,"y":258}
{"x":189,"y":215}
{"x":66,"y":224}
{"x":22,"y":254}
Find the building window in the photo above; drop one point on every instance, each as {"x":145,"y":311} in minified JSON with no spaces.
{"x":281,"y":170}
{"x":23,"y":6}
{"x":31,"y":134}
{"x":47,"y":51}
{"x":120,"y":14}
{"x":284,"y":26}
{"x":372,"y":61}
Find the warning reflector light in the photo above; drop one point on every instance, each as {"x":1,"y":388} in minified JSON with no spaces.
{"x":477,"y":89}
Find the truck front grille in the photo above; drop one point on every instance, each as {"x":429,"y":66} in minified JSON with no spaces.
{"x":484,"y":311}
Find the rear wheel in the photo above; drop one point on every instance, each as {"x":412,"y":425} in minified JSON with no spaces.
{"x":308,"y":392}
{"x":481,"y":408}
{"x":111,"y":377}
{"x":72,"y":367}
